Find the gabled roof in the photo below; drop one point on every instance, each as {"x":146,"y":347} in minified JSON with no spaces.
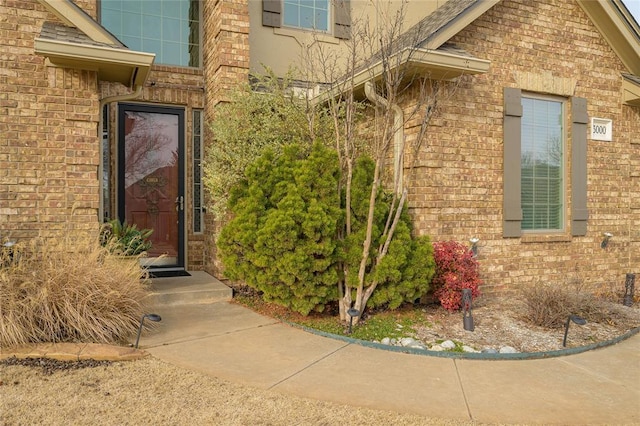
{"x":424,"y":46}
{"x":81,"y":42}
{"x":448,"y":20}
{"x":622,"y":32}
{"x":619,"y":29}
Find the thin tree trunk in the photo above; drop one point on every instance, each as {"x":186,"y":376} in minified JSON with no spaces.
{"x":366,"y":246}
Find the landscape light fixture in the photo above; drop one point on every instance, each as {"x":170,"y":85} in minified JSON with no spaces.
{"x":150,"y":317}
{"x":605,"y":242}
{"x":629,"y":287}
{"x":467,"y":319}
{"x":570,"y":319}
{"x":352,"y":312}
{"x":9,"y":252}
{"x":474,"y":246}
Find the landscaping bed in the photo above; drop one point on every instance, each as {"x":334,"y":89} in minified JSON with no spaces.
{"x":499,"y":321}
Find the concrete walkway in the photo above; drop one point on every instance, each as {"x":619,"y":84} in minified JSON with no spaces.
{"x":226,"y":340}
{"x":231,"y":342}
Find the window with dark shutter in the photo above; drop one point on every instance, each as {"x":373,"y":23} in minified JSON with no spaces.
{"x":314,"y":15}
{"x":534,"y":158}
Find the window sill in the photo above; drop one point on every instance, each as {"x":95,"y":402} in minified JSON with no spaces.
{"x":300,"y":33}
{"x":534,"y":238}
{"x":177,"y":69}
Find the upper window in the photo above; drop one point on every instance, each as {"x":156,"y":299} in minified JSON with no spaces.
{"x":542,"y":159}
{"x":168,"y":28}
{"x":308,"y":14}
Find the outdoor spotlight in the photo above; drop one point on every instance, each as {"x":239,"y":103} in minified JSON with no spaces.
{"x":629,"y":287}
{"x":474,"y":246}
{"x":150,"y":317}
{"x":467,"y":319}
{"x":605,"y":242}
{"x":10,"y":253}
{"x":352,"y":312}
{"x":570,"y":319}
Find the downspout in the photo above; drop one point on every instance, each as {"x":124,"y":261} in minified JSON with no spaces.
{"x":398,"y":137}
{"x":103,"y":102}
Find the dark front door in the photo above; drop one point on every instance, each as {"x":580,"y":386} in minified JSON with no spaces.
{"x":150,"y":177}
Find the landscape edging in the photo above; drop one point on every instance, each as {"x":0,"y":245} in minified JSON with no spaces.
{"x":469,"y":355}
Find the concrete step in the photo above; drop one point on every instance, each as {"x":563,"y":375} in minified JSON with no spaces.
{"x":199,"y":288}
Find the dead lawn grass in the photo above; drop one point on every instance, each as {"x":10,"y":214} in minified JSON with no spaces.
{"x":150,"y":391}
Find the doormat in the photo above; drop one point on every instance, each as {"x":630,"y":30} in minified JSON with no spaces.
{"x":168,"y":274}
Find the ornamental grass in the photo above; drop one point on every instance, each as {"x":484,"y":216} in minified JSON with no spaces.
{"x":69,"y":289}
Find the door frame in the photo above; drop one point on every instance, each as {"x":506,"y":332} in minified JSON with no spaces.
{"x":122,"y":108}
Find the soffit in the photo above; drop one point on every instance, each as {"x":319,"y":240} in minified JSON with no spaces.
{"x":444,"y":63}
{"x":631,"y":89}
{"x":618,"y":28}
{"x":82,"y":43}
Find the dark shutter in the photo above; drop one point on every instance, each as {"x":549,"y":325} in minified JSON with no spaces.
{"x":579,"y":212}
{"x":342,"y":24}
{"x":512,"y":218}
{"x":271,"y":10}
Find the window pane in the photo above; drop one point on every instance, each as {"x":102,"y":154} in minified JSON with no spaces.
{"x":152,"y":26}
{"x":321,"y":21}
{"x":111,"y":20}
{"x":131,"y":24}
{"x":291,"y":15}
{"x":197,"y":207}
{"x":168,"y":28}
{"x":133,"y":43}
{"x":308,"y":14}
{"x":306,"y":17}
{"x":152,"y":7}
{"x":131,"y":6}
{"x":542,"y":165}
{"x":172,"y":8}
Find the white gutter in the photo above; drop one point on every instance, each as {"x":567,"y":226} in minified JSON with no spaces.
{"x":103,"y":102}
{"x":398,"y":137}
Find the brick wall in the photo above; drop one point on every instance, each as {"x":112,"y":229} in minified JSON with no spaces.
{"x":226,"y":64}
{"x":457,"y":190}
{"x":49,"y":150}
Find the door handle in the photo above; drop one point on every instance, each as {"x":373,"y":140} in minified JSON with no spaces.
{"x":180,"y":203}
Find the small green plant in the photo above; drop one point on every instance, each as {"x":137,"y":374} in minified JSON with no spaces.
{"x":456,"y":269}
{"x":123,"y":239}
{"x":389,"y":324}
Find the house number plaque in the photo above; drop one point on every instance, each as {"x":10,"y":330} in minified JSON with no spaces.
{"x":601,"y":129}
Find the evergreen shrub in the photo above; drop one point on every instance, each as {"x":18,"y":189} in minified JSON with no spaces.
{"x":282,"y":238}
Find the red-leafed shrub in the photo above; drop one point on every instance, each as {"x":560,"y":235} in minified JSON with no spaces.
{"x":456,"y":269}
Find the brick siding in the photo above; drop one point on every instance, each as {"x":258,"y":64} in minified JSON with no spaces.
{"x":457,"y":192}
{"x":49,"y":147}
